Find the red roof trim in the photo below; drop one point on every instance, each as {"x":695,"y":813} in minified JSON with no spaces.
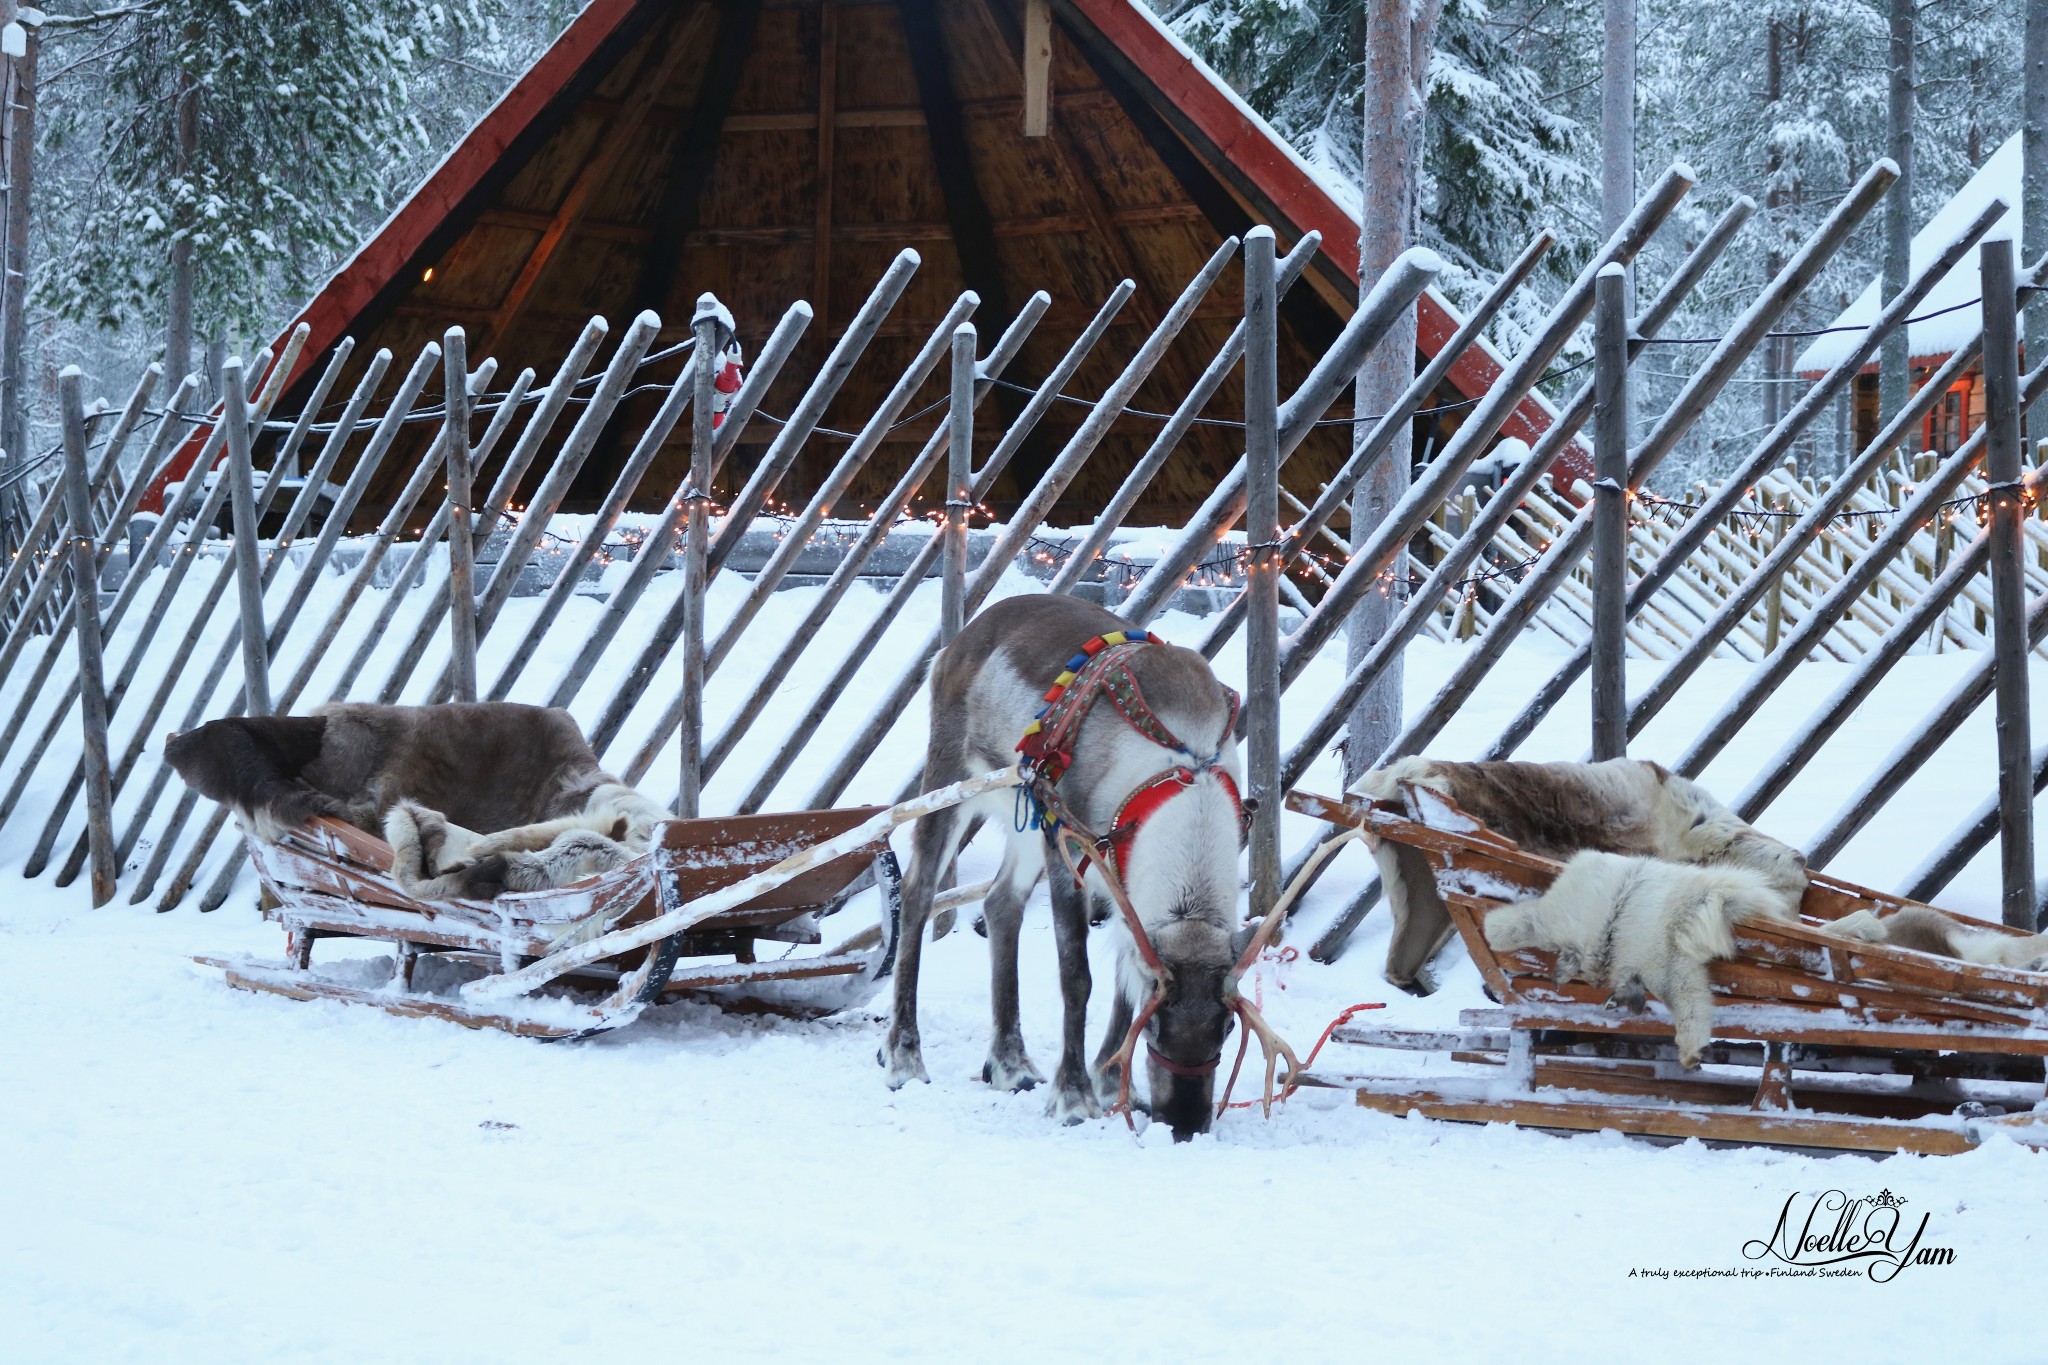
{"x":359,"y":280}
{"x":1251,"y":145}
{"x":1245,"y":140}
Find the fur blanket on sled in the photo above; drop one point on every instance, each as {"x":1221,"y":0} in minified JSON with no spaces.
{"x":1622,"y":806}
{"x":1643,"y":926}
{"x":478,"y":794}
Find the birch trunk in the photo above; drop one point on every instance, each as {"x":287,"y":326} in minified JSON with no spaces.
{"x":1398,"y":37}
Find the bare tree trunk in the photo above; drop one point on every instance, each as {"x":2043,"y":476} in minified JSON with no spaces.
{"x":2034,"y":140}
{"x":1774,"y":202}
{"x":1894,"y":375}
{"x":1618,"y":117}
{"x":178,"y":304}
{"x":21,"y":148}
{"x":1398,"y":37}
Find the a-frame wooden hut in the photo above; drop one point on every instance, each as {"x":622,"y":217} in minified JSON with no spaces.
{"x":772,"y":150}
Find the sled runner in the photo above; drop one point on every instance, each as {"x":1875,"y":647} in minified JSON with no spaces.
{"x":716,"y":905}
{"x":1819,"y":1041}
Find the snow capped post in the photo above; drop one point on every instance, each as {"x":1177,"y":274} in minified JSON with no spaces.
{"x":1610,"y":511}
{"x":1262,"y":562}
{"x":704,"y":326}
{"x":234,"y":414}
{"x":85,"y":610}
{"x":461,"y":550}
{"x":2009,"y":642}
{"x":959,"y":486}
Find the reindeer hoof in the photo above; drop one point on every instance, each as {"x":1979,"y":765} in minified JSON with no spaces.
{"x":901,"y":1065}
{"x":1015,"y":1075}
{"x":1073,"y":1101}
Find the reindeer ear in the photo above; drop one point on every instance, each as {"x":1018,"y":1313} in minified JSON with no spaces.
{"x":1242,"y":939}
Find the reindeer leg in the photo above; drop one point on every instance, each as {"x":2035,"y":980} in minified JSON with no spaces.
{"x":932,"y":846}
{"x":1073,"y":1090}
{"x":1008,"y":1066}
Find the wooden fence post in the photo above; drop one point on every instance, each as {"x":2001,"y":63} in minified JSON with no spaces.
{"x":85,"y":609}
{"x":2010,"y":645}
{"x":959,"y":486}
{"x":461,"y":548}
{"x":705,"y":326}
{"x":1610,"y":512}
{"x":1262,"y":564}
{"x":234,"y":413}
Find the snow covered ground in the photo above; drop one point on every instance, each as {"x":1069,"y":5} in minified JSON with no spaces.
{"x":189,"y":1172}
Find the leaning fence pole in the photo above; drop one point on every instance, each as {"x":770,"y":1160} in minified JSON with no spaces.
{"x":1610,"y":512}
{"x":653,"y":552}
{"x":959,"y":487}
{"x":690,"y":788}
{"x":1701,"y":388}
{"x":907,"y":583}
{"x":1031,"y":512}
{"x":85,"y":611}
{"x":248,"y":548}
{"x":1262,"y":565}
{"x":764,"y":683}
{"x":172,"y":671}
{"x":2010,"y":645}
{"x":1926,"y":506}
{"x":787,"y":553}
{"x":1374,"y":554}
{"x":1167,"y":441}
{"x":461,"y":549}
{"x":1495,"y":515}
{"x":1760,"y":460}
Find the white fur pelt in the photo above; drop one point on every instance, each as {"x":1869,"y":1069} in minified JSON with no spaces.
{"x":1634,"y":924}
{"x":1927,"y":930}
{"x":434,"y":859}
{"x":618,"y":812}
{"x":1558,"y":809}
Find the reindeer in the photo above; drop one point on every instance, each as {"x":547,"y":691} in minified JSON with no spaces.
{"x":1140,"y":745}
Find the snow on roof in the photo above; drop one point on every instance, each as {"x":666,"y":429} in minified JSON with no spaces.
{"x":1997,"y":179}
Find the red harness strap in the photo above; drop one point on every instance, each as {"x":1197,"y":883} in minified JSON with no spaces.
{"x":1102,"y":669}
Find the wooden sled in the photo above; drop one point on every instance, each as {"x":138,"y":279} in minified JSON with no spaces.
{"x":716,"y":906}
{"x":1819,"y":1041}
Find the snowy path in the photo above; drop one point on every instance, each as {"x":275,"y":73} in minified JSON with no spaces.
{"x":195,"y":1173}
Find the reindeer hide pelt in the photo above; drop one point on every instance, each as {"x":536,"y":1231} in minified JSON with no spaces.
{"x":1926,"y":930}
{"x":1637,"y":925}
{"x":485,"y":766}
{"x":434,"y":860}
{"x":1558,"y":809}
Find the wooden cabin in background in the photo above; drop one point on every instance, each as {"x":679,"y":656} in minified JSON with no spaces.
{"x":775,"y":150}
{"x":1950,"y":314}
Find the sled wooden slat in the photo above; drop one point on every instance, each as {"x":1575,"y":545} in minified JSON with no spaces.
{"x":1874,"y":1034}
{"x":283,"y":979}
{"x":1708,"y":1123}
{"x":699,"y":856}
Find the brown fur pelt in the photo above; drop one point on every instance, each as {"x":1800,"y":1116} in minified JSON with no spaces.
{"x":486,"y":766}
{"x":1926,"y":930}
{"x":1558,"y":809}
{"x":434,"y":860}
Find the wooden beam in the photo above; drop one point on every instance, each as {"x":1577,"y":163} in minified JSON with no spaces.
{"x":690,"y":172}
{"x":596,"y":173}
{"x":828,"y":107}
{"x":1037,"y":66}
{"x":973,"y":231}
